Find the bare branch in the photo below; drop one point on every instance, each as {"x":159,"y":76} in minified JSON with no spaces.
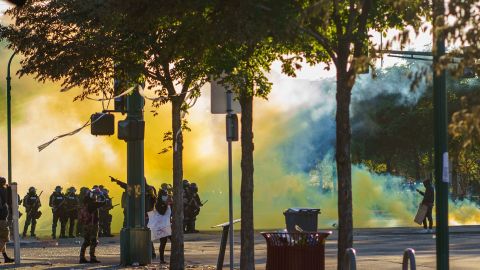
{"x":168,"y":79}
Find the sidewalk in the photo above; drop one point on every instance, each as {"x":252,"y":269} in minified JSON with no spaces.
{"x":376,"y":249}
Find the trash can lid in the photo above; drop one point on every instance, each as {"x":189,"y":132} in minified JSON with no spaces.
{"x":302,"y":210}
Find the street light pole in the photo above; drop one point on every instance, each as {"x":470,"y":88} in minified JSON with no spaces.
{"x":441,"y":138}
{"x":9,"y":121}
{"x":135,"y":247}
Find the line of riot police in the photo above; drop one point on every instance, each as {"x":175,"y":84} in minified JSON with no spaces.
{"x":191,"y":206}
{"x":65,"y":209}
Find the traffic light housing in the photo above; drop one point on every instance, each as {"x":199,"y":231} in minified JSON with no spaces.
{"x":102,"y":124}
{"x":131,"y":130}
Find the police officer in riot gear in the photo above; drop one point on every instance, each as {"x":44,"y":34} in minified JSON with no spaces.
{"x":57,"y":203}
{"x":71,"y":210}
{"x":32,"y":203}
{"x":105,"y":218}
{"x":186,"y":199}
{"x":192,"y":208}
{"x":88,"y":216}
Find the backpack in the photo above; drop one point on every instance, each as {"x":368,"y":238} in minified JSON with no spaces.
{"x":84,"y":217}
{"x":161,"y":207}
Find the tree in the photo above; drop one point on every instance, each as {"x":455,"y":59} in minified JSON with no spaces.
{"x":462,"y":33}
{"x":338,"y":31}
{"x":249,"y":37}
{"x":80,"y":43}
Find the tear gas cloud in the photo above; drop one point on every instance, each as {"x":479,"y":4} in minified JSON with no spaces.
{"x":294,"y":153}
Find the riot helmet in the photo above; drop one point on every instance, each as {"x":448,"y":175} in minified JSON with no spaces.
{"x":58,"y":189}
{"x":193,"y":187}
{"x":71,"y":190}
{"x":164,"y":186}
{"x":186,"y":184}
{"x":32,"y":190}
{"x":97,"y":195}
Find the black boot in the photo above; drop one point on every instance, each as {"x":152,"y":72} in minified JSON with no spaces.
{"x":7,"y":259}
{"x":32,"y":230}
{"x":93,"y":258}
{"x":82,"y":255}
{"x":162,"y":256}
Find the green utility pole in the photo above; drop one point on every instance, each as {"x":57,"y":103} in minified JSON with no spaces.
{"x":441,"y":140}
{"x":135,"y":243}
{"x":9,"y":121}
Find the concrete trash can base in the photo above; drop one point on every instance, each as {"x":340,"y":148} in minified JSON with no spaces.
{"x":305,"y":218}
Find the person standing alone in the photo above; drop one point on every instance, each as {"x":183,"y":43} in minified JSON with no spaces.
{"x":428,"y":200}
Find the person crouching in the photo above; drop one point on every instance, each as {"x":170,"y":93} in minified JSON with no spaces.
{"x":88,"y":217}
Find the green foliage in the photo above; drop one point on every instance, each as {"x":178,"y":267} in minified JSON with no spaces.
{"x":336,"y":32}
{"x":250,"y":35}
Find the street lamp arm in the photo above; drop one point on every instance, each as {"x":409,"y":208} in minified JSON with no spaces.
{"x":9,"y":121}
{"x":9,"y":63}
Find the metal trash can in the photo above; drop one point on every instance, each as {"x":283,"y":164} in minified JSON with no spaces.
{"x":305,"y":218}
{"x":294,"y":251}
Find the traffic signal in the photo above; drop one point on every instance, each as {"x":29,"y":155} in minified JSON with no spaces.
{"x":102,"y":124}
{"x":131,"y":130}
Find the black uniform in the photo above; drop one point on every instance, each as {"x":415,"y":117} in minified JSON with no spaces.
{"x":428,"y":200}
{"x":10,"y":211}
{"x":192,"y":209}
{"x":32,"y":203}
{"x":4,"y":212}
{"x":105,"y":218}
{"x":187,"y":196}
{"x":71,"y":211}
{"x":57,"y":203}
{"x":91,"y":204}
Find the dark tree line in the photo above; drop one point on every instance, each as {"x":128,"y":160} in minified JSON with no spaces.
{"x":395,"y":136}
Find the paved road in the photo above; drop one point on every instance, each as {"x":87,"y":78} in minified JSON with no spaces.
{"x":376,"y":249}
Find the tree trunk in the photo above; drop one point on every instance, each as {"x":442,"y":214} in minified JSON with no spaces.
{"x":247,"y":257}
{"x":177,"y":260}
{"x":344,"y":166}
